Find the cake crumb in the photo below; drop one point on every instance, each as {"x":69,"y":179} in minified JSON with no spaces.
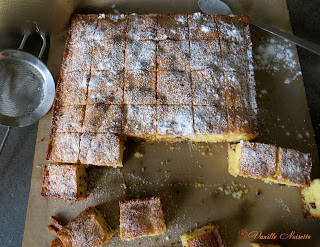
{"x":138,"y":155}
{"x":142,"y":169}
{"x":203,"y":153}
{"x":171,"y":148}
{"x":236,"y":190}
{"x":199,"y":185}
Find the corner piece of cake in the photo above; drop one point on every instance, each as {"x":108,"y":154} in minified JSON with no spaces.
{"x":264,"y":245}
{"x":141,"y":217}
{"x":64,"y":181}
{"x":56,"y":243}
{"x":89,"y":228}
{"x":269,"y":163}
{"x":208,"y":235}
{"x":311,"y":199}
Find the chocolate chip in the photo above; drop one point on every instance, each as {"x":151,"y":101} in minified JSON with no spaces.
{"x":313,"y":205}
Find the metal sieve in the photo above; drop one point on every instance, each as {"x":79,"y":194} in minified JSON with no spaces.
{"x":26,"y":86}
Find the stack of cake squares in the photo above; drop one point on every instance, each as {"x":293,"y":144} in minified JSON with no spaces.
{"x":157,"y":77}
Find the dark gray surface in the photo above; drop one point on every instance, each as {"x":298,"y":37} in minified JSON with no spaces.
{"x":16,"y":161}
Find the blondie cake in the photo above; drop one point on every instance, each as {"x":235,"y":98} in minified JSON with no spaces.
{"x":64,"y":181}
{"x":208,"y":235}
{"x":158,"y":77}
{"x":89,"y":228}
{"x":269,"y":163}
{"x":311,"y":199}
{"x":141,"y":217}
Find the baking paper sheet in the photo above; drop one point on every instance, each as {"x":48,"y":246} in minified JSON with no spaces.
{"x":188,"y":176}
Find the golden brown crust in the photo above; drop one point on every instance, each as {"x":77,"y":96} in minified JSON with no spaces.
{"x":141,"y":217}
{"x":56,"y":243}
{"x":88,"y":228}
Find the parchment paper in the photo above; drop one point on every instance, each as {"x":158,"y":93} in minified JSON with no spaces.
{"x":187,"y":176}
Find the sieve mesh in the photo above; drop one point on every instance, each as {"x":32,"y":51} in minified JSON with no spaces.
{"x":21,"y":88}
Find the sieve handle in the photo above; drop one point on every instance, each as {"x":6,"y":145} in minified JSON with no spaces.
{"x":3,"y":143}
{"x":26,"y":34}
{"x":43,"y":37}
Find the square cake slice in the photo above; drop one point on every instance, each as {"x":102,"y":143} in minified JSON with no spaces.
{"x":140,"y":55}
{"x":83,"y":28}
{"x":174,"y":88}
{"x":108,"y":55}
{"x":63,"y":147}
{"x":140,"y":87}
{"x":77,"y":57}
{"x":293,"y":167}
{"x":104,"y":149}
{"x":141,"y":217}
{"x":89,"y":228}
{"x":68,"y":118}
{"x":172,"y":27}
{"x":140,"y":121}
{"x":208,"y":87}
{"x":106,"y":87}
{"x":202,"y":27}
{"x":205,"y":54}
{"x":173,"y":55}
{"x":102,"y":118}
{"x":72,"y":88}
{"x":111,"y":26}
{"x":255,"y":160}
{"x":311,"y":199}
{"x":142,"y":27}
{"x":208,"y":235}
{"x":210,"y":124}
{"x":242,"y":124}
{"x":175,"y":123}
{"x":240,"y":91}
{"x":68,"y":182}
{"x":234,"y":29}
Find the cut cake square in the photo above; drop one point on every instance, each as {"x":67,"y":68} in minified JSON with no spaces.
{"x":208,"y":235}
{"x":174,"y":122}
{"x":140,"y":87}
{"x":173,"y":55}
{"x":140,"y":55}
{"x":311,"y":199}
{"x":111,"y":26}
{"x":172,"y":27}
{"x":108,"y":55}
{"x":140,"y":121}
{"x":208,"y":87}
{"x":174,"y":87}
{"x":210,"y":124}
{"x":141,"y":217}
{"x":72,"y":88}
{"x":68,"y":118}
{"x":202,"y":27}
{"x":69,"y":182}
{"x":101,"y":149}
{"x":293,"y":167}
{"x":102,"y":118}
{"x":205,"y":54}
{"x":83,"y":28}
{"x":142,"y":27}
{"x":106,"y":87}
{"x":63,"y":147}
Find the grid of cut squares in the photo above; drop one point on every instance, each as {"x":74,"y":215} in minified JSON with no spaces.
{"x":153,"y":76}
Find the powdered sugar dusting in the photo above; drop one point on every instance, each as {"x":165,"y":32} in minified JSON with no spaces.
{"x":275,"y":55}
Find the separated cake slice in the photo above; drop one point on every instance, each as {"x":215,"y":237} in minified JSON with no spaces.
{"x":69,"y":182}
{"x":141,"y":217}
{"x":89,"y":228}
{"x":207,"y":236}
{"x":56,"y":243}
{"x":256,"y":160}
{"x":311,"y":199}
{"x":269,"y":163}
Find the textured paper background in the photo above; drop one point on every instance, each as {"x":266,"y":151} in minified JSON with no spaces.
{"x":284,"y":120}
